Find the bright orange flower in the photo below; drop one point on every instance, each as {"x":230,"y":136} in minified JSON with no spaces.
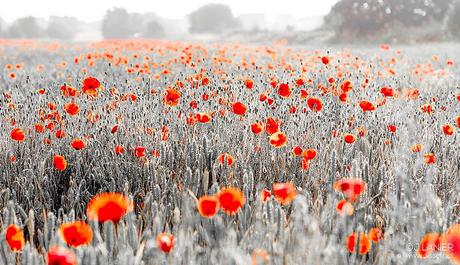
{"x":14,"y":236}
{"x":165,"y":242}
{"x":224,"y":156}
{"x":60,"y":134}
{"x":208,"y":206}
{"x":430,"y":243}
{"x":90,"y":85}
{"x":17,"y":134}
{"x":278,"y":139}
{"x":238,"y":108}
{"x":457,"y":119}
{"x":265,"y":194}
{"x":315,"y":104}
{"x":387,"y":91}
{"x":349,"y":138}
{"x":231,"y":200}
{"x":427,"y":108}
{"x":271,"y":126}
{"x":108,"y":206}
{"x":59,"y":162}
{"x":297,"y":150}
{"x":450,"y":243}
{"x":76,"y":233}
{"x":172,"y":97}
{"x":448,"y":129}
{"x":346,"y":87}
{"x":284,"y":91}
{"x":392,"y":128}
{"x":309,"y":154}
{"x":365,"y":243}
{"x":119,"y":150}
{"x":61,"y":256}
{"x":430,"y":158}
{"x":376,"y":234}
{"x":203,"y":117}
{"x":139,"y":151}
{"x":249,"y":83}
{"x":256,"y":127}
{"x":78,"y":144}
{"x":366,"y":106}
{"x":39,"y":128}
{"x":344,"y":207}
{"x":352,"y":188}
{"x":284,"y":192}
{"x":72,"y":108}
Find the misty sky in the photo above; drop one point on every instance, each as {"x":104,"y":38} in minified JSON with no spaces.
{"x":92,"y":10}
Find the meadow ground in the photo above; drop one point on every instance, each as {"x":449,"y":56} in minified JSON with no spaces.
{"x":149,"y":152}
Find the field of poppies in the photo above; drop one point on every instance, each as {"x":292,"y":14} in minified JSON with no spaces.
{"x":149,"y":152}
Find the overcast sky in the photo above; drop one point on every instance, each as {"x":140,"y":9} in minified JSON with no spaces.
{"x":92,"y":10}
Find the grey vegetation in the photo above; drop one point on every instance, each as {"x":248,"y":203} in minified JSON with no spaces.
{"x":404,"y":196}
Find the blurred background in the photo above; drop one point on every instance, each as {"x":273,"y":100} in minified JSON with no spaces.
{"x":294,"y":22}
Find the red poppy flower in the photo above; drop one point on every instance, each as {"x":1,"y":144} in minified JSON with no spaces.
{"x":78,"y":144}
{"x":448,"y":129}
{"x":392,"y":128}
{"x":256,"y":127}
{"x":224,"y":156}
{"x":429,"y":244}
{"x":17,"y":134}
{"x":61,"y":256}
{"x":309,"y":154}
{"x":366,"y":106}
{"x":90,"y":85}
{"x":271,"y":126}
{"x":284,"y":192}
{"x":365,"y":243}
{"x":14,"y":236}
{"x":249,"y":83}
{"x":231,"y":200}
{"x":172,"y":97}
{"x":450,"y":243}
{"x":376,"y":234}
{"x":139,"y":151}
{"x":430,"y":158}
{"x":349,"y":138}
{"x":278,"y":139}
{"x":119,"y":149}
{"x":352,"y":188}
{"x":265,"y":194}
{"x":344,"y":207}
{"x":387,"y":91}
{"x":297,"y":150}
{"x":59,"y":162}
{"x":165,"y":242}
{"x":238,"y":108}
{"x":76,"y":233}
{"x":72,"y":109}
{"x":208,"y":206}
{"x":108,"y":206}
{"x":315,"y":104}
{"x":284,"y":91}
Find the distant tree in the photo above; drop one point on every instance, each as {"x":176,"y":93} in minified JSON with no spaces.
{"x":63,"y":28}
{"x":453,"y":19}
{"x":25,"y":28}
{"x":118,"y":24}
{"x":371,"y":18}
{"x":212,"y":18}
{"x":153,"y":30}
